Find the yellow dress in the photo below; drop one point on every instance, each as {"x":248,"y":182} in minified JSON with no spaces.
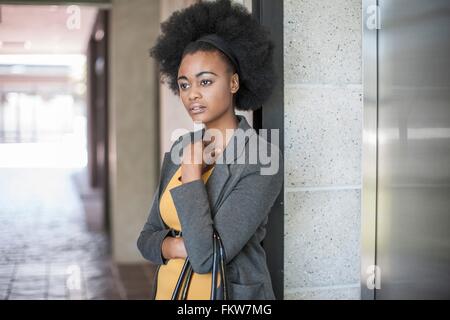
{"x":168,"y":274}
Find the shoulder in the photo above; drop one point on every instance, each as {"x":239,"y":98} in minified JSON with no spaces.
{"x":260,"y":166}
{"x":263,"y":156}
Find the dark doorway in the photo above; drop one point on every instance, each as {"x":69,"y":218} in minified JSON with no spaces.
{"x":270,"y":14}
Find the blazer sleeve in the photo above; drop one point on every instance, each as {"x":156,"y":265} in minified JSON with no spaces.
{"x":152,"y":235}
{"x":236,"y":221}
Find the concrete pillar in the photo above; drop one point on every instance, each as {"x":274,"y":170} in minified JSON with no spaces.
{"x":133,"y":122}
{"x":323,"y":131}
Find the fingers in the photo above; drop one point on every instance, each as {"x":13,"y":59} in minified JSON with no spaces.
{"x":211,"y":151}
{"x":207,"y":142}
{"x":204,"y":151}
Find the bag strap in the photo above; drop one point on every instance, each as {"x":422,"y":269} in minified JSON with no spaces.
{"x":223,"y":269}
{"x":187,"y":282}
{"x":215,"y":266}
{"x":218,"y":268}
{"x":183,"y":272}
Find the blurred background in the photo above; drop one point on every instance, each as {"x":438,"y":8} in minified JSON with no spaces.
{"x":363,"y":110}
{"x":55,"y":241}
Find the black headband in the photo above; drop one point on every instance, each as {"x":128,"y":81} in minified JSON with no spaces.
{"x":223,"y":46}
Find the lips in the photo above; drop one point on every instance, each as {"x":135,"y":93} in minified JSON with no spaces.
{"x":196,"y":108}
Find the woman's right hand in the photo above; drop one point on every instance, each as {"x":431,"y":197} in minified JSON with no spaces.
{"x":173,"y":248}
{"x":195,"y":159}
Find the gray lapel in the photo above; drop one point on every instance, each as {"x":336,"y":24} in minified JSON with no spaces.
{"x":221,"y":172}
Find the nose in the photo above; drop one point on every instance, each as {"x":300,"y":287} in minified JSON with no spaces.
{"x":194,"y":93}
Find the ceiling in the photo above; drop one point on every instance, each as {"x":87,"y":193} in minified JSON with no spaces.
{"x":45,"y":29}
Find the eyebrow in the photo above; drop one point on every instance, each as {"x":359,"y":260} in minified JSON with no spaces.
{"x":197,"y":75}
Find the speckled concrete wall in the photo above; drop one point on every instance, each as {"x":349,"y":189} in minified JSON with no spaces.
{"x":323,"y":131}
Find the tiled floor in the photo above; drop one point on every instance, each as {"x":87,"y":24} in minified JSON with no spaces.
{"x":47,"y":251}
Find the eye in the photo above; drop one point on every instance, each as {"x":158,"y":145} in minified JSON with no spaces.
{"x":205,"y":80}
{"x":183,"y":86}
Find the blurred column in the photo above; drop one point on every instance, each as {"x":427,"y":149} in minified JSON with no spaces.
{"x":2,"y":116}
{"x":97,"y":111}
{"x":133,"y":122}
{"x":17,"y":135}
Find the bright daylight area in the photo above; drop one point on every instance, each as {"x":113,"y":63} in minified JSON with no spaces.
{"x":43,"y":119}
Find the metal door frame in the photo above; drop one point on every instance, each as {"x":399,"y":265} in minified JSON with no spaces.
{"x":370,"y":149}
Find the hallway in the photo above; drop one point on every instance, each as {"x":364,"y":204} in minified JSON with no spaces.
{"x":47,"y":248}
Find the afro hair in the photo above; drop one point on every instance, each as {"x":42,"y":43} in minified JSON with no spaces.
{"x":248,"y":40}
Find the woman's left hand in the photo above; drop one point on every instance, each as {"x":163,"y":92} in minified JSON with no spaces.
{"x":173,"y":248}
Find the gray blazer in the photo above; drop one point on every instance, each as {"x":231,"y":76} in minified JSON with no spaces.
{"x":237,"y":199}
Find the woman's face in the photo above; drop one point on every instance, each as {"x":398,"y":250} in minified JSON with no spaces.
{"x":206,"y":86}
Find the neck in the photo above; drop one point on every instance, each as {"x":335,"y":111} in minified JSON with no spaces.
{"x":228,"y":121}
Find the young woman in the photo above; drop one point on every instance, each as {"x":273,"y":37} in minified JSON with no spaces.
{"x":217,"y":59}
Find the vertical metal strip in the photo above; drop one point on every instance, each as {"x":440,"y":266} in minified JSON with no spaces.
{"x":377,"y":149}
{"x":370,"y":149}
